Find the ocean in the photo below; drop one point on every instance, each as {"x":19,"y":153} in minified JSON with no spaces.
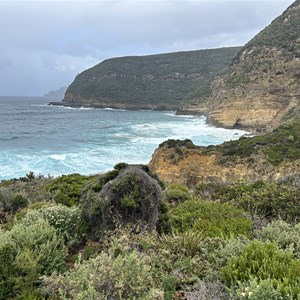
{"x":53,"y":140}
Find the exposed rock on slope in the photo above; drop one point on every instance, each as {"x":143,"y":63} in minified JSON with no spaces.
{"x":261,"y":88}
{"x":147,"y":82}
{"x":267,"y":157}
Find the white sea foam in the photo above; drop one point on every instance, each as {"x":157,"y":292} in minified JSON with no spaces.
{"x":87,"y":141}
{"x":60,"y":157}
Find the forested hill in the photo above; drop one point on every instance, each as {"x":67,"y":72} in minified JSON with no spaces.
{"x":160,"y":81}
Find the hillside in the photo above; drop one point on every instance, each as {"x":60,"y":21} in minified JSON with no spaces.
{"x":272,"y":156}
{"x":56,"y":94}
{"x":150,"y":82}
{"x":260,"y":88}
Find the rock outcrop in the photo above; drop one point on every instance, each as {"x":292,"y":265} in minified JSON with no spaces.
{"x":261,"y":88}
{"x":273,"y":156}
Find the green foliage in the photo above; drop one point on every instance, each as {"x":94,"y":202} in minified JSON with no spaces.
{"x":257,"y":290}
{"x":278,"y":146}
{"x":64,"y":219}
{"x":270,"y":199}
{"x":120,"y":166}
{"x":128,"y":190}
{"x":209,"y":218}
{"x":132,"y":198}
{"x":107,"y":177}
{"x":263,"y":261}
{"x":169,"y":285}
{"x":285,"y":236}
{"x":43,"y":243}
{"x":186,"y":243}
{"x":126,"y":276}
{"x":66,"y":189}
{"x":29,"y":177}
{"x":178,"y":144}
{"x":7,"y":269}
{"x":28,"y":251}
{"x":211,"y":191}
{"x":175,"y":194}
{"x":12,"y":205}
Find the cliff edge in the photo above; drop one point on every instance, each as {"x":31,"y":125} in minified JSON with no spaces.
{"x":272,"y":156}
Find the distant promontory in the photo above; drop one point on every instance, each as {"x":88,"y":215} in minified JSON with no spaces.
{"x":158,"y":82}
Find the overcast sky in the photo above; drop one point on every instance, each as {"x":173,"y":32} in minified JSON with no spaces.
{"x":45,"y":44}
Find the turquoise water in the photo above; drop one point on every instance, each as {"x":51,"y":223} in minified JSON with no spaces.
{"x":51,"y":140}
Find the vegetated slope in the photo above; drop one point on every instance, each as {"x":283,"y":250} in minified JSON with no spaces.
{"x":261,"y":87}
{"x":266,"y":157}
{"x":153,"y":82}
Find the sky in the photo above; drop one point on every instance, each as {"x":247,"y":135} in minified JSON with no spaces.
{"x":45,"y":44}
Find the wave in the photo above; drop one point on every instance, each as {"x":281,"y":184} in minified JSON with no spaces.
{"x":112,"y":109}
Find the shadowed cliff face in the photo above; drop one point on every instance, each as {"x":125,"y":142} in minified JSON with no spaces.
{"x":261,"y":87}
{"x":273,"y":156}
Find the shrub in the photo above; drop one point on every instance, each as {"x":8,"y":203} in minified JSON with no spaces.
{"x":127,"y":276}
{"x":26,"y":253}
{"x":210,"y":191}
{"x":209,"y":218}
{"x":12,"y":204}
{"x":64,"y":219}
{"x":133,"y":198}
{"x":7,"y":269}
{"x":175,"y":194}
{"x":254,"y":290}
{"x":263,"y":261}
{"x":277,"y":146}
{"x":270,"y":199}
{"x":284,"y":235}
{"x":186,"y":243}
{"x":66,"y":189}
{"x":42,"y":241}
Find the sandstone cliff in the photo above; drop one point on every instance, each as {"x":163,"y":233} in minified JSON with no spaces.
{"x":273,"y":156}
{"x":261,"y":88}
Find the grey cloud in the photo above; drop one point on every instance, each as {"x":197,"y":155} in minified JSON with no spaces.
{"x":46,"y":43}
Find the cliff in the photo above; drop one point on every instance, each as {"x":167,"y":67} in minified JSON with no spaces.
{"x":272,"y":156}
{"x":147,"y":82}
{"x":260,"y":88}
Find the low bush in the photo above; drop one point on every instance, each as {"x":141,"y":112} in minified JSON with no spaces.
{"x":285,"y":236}
{"x":270,"y":199}
{"x":183,"y":244}
{"x":66,"y":189}
{"x":264,"y":261}
{"x":133,"y":198}
{"x":175,"y":194}
{"x":257,"y":290}
{"x":126,"y":276}
{"x":65,"y":220}
{"x":12,"y":204}
{"x":209,"y":218}
{"x":28,"y":251}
